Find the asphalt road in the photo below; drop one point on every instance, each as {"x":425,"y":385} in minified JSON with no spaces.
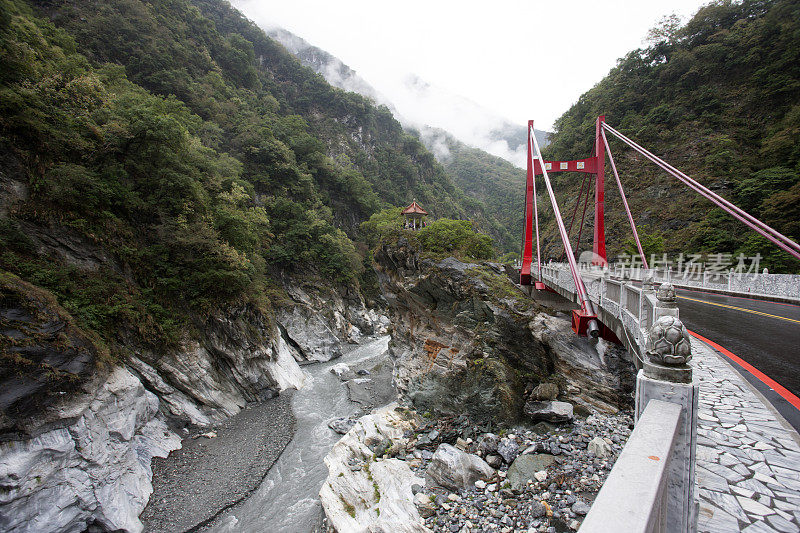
{"x":764,"y":334}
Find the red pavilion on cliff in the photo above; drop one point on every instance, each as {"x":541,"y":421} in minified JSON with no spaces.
{"x":414,"y":216}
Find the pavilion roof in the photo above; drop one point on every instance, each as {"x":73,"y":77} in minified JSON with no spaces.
{"x":414,"y":208}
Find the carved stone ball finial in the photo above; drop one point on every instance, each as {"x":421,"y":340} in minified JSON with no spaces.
{"x":668,"y":342}
{"x":666,"y":293}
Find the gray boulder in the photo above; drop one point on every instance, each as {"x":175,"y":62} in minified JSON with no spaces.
{"x":525,"y":468}
{"x":456,"y":470}
{"x":341,"y":425}
{"x":508,"y":449}
{"x":580,"y":508}
{"x":538,"y":510}
{"x":545,"y":391}
{"x":487,"y":444}
{"x":495,"y":461}
{"x":599,"y":447}
{"x":549,"y":411}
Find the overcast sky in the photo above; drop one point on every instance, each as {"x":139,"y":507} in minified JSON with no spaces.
{"x":520,"y":59}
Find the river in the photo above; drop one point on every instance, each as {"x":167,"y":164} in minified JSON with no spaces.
{"x":286,"y":501}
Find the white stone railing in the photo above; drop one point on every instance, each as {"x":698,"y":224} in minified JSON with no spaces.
{"x":633,"y":308}
{"x":634,"y":498}
{"x":652,"y":485}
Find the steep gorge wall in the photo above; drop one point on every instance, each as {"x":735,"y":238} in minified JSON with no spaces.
{"x":79,"y":429}
{"x":467,"y":340}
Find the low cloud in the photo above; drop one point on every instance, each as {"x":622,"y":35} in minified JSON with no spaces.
{"x":419,"y":105}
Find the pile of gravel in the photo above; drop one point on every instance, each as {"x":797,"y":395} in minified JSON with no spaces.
{"x":555,"y":499}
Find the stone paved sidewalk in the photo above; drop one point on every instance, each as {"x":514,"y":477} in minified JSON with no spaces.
{"x":748,"y":459}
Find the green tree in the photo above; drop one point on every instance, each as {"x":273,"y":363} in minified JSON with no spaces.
{"x":456,"y":237}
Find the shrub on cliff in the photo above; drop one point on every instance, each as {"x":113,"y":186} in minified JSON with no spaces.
{"x":456,"y":237}
{"x":381,"y":224}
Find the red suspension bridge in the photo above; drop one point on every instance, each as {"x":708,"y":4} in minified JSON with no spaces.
{"x":585,"y":320}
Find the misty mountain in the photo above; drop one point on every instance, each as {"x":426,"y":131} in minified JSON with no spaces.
{"x":490,"y":179}
{"x":330,"y":67}
{"x":421,"y":106}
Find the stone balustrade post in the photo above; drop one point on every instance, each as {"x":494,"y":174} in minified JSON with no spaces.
{"x":667,"y":376}
{"x":648,"y":281}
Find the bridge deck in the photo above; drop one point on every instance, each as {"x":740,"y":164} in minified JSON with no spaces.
{"x":748,"y":457}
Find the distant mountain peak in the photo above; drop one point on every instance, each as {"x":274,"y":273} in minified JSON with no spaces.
{"x":421,"y":106}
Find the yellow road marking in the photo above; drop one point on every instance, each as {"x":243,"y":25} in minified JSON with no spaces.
{"x":740,"y":309}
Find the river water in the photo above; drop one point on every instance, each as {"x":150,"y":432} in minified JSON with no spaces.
{"x":287,"y":501}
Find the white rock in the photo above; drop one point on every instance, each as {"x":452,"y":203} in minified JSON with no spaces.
{"x":549,"y":411}
{"x":480,"y":484}
{"x":453,"y":469}
{"x":540,"y":475}
{"x":424,"y":505}
{"x":349,"y":498}
{"x":340,"y":368}
{"x":353,"y":334}
{"x":599,"y":447}
{"x":311,"y":331}
{"x":284,"y":369}
{"x":97,"y":470}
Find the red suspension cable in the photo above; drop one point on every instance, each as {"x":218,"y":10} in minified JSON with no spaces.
{"x":780,"y":240}
{"x":624,"y":200}
{"x":583,"y":216}
{"x":580,"y":288}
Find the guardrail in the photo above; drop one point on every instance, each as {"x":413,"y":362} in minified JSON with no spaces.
{"x":634,"y":497}
{"x":626,"y":309}
{"x":640,"y":496}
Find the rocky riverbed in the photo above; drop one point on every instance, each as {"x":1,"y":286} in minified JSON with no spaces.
{"x":460,"y":478}
{"x":545,"y":477}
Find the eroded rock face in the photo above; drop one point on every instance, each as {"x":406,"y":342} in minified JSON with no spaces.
{"x":367,"y":493}
{"x":96,"y":470}
{"x":458,"y":346}
{"x":316,"y":323}
{"x":593,"y":374}
{"x":240,"y":358}
{"x":467,"y":340}
{"x":44,"y":358}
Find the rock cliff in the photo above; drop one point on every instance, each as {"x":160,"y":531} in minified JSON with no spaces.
{"x":467,"y":340}
{"x":79,"y":428}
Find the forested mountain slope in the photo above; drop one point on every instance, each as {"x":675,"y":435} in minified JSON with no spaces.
{"x":718,"y":98}
{"x":490,"y":179}
{"x":168,"y":156}
{"x":486,"y":178}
